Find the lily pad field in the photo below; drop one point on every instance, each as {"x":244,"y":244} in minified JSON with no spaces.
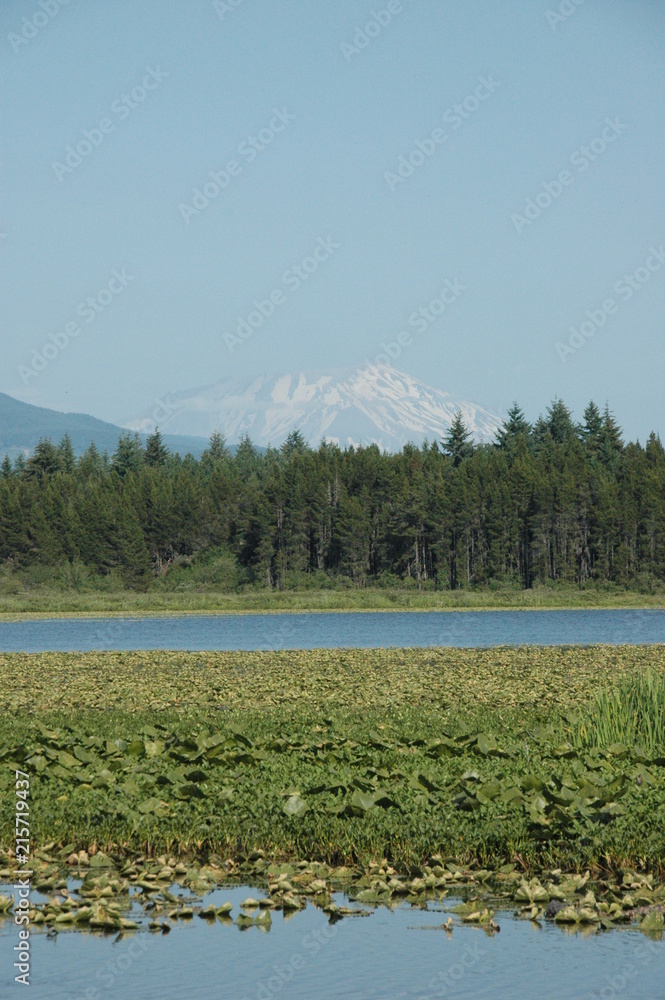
{"x":531,"y":776}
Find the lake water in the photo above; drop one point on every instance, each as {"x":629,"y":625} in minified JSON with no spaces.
{"x":379,"y":957}
{"x":345,"y":629}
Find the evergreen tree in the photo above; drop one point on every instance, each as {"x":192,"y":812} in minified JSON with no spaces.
{"x":66,"y":452}
{"x":559,"y":422}
{"x":591,"y":431}
{"x":45,"y":461}
{"x":513,"y":427}
{"x":458,"y":441}
{"x":295,"y":444}
{"x":550,"y":505}
{"x":247,"y":459}
{"x":216,"y":450}
{"x":654,"y":450}
{"x":128,"y":456}
{"x":91,"y":463}
{"x":156,"y":452}
{"x":611,"y":444}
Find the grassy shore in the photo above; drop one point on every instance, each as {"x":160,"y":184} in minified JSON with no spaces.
{"x":388,"y":773}
{"x":44,"y":601}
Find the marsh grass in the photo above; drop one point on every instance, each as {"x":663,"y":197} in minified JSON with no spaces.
{"x":631,"y":711}
{"x":37,"y":594}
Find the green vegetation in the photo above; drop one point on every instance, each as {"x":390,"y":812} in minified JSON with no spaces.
{"x":631,"y":712}
{"x":41,"y":601}
{"x":389,"y":773}
{"x":335,"y":755}
{"x":557,"y":505}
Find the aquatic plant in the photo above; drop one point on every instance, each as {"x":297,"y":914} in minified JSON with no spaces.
{"x":631,"y":711}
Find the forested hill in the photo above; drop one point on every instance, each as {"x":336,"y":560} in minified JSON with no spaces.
{"x":22,"y":425}
{"x":556,"y":501}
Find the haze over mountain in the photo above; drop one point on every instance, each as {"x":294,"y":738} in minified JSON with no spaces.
{"x":364,"y":405}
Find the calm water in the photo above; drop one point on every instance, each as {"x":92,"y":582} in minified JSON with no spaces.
{"x":347,"y":629}
{"x":380,"y":957}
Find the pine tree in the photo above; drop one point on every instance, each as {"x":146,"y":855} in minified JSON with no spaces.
{"x":591,"y":430}
{"x":295,"y":444}
{"x":513,"y":427}
{"x":216,"y":450}
{"x":91,"y":463}
{"x":654,"y":450}
{"x":559,"y":422}
{"x":66,"y":452}
{"x":611,"y":443}
{"x":458,"y":441}
{"x":156,"y":452}
{"x":247,"y":460}
{"x":6,"y":470}
{"x":128,"y":456}
{"x":45,"y":461}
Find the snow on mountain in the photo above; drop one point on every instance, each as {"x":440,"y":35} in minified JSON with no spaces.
{"x":364,"y":405}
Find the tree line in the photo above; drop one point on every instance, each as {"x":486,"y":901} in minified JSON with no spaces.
{"x":553,"y":501}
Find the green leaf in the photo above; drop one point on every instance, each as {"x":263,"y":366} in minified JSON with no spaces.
{"x":295,"y":806}
{"x":652,"y":922}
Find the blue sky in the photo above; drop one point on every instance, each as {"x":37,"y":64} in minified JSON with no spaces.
{"x":307,"y":118}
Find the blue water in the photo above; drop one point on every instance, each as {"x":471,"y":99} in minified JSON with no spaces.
{"x":347,"y":629}
{"x":380,"y":957}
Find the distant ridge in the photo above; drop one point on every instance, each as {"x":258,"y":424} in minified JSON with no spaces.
{"x":370,"y":404}
{"x":22,"y":425}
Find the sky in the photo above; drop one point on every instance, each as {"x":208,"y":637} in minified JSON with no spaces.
{"x":199,"y":190}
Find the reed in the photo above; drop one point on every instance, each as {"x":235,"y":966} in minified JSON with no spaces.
{"x":631,"y":711}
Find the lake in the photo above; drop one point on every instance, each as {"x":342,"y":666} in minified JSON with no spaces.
{"x":341,"y":629}
{"x":389,"y":955}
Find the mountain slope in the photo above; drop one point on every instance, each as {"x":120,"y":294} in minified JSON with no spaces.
{"x":364,"y":405}
{"x":22,"y":425}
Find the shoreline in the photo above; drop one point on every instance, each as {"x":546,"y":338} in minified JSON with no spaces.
{"x":131,"y":606}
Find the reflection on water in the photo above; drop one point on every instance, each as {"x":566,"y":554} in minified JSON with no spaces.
{"x":345,"y":629}
{"x":390,"y":954}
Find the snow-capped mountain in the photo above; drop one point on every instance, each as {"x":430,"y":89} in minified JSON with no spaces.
{"x":364,"y":405}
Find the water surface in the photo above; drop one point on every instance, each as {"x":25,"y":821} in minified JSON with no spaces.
{"x":380,"y":957}
{"x":314,"y":630}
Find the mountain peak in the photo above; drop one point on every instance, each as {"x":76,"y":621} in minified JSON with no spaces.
{"x":367,"y":404}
